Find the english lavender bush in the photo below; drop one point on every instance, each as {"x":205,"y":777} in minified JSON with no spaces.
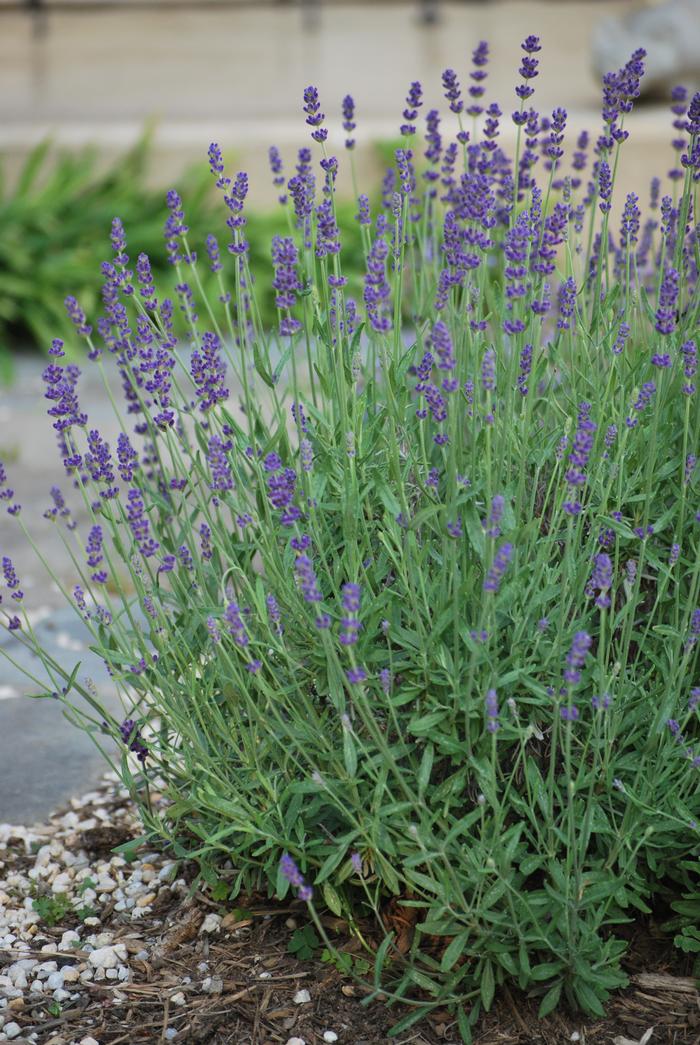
{"x":402,"y":596}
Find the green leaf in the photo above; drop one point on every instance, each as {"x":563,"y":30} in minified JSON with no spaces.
{"x":330,"y":863}
{"x":349,"y":754}
{"x":425,"y":769}
{"x":423,"y":725}
{"x":546,"y":971}
{"x":588,"y":999}
{"x":464,"y":1026}
{"x":453,"y":951}
{"x":550,"y":1001}
{"x":488,"y":985}
{"x":332,"y":899}
{"x":416,"y":1014}
{"x":381,"y":957}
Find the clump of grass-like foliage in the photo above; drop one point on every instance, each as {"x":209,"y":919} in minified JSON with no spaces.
{"x":403,"y":597}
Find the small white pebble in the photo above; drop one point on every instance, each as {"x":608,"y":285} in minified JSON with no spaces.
{"x":211,"y":924}
{"x":296,"y":1041}
{"x":301,"y":997}
{"x":330,"y":1035}
{"x":178,"y":999}
{"x":89,"y":1041}
{"x":266,"y":976}
{"x":170,"y":1033}
{"x":108,"y":957}
{"x":11,"y":1030}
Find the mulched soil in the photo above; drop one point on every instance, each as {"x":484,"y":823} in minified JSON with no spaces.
{"x":237,"y":983}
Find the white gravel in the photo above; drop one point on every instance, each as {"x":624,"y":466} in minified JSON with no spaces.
{"x":46,"y":867}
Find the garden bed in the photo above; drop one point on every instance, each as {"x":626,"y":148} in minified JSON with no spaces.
{"x":144,"y":961}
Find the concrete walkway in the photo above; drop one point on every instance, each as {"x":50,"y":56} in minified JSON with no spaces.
{"x":44,"y":758}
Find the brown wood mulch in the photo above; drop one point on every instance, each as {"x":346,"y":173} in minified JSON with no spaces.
{"x":239,"y":1005}
{"x":247,"y":1010}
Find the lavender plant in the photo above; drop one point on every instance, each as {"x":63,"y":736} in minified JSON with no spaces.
{"x":402,"y":596}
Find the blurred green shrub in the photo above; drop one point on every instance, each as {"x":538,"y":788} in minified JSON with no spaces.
{"x":54,"y":234}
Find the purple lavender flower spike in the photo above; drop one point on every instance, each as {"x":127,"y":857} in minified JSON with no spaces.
{"x":274,"y":612}
{"x":235,"y":625}
{"x":567,"y":302}
{"x":213,"y":253}
{"x":94,"y":550}
{"x":480,"y":58}
{"x":314,"y":116}
{"x":491,"y":701}
{"x":127,"y":457}
{"x":453,"y":93}
{"x":276,"y":168}
{"x":413,"y":104}
{"x":668,"y":299}
{"x":442,"y":343}
{"x":492,"y":527}
{"x":495,"y":574}
{"x":629,"y":227}
{"x":175,"y":229}
{"x":349,"y":120}
{"x":286,"y":282}
{"x":11,"y":579}
{"x":694,"y":633}
{"x":139,"y":525}
{"x":294,"y":876}
{"x":578,"y":458}
{"x":350,"y":622}
{"x":528,"y":67}
{"x":576,"y":657}
{"x":488,"y":370}
{"x":306,"y":579}
{"x":689,"y":354}
{"x":601,"y":580}
{"x":646,"y":394}
{"x":377,"y":291}
{"x":604,"y":186}
{"x":219,"y":467}
{"x":524,"y":370}
{"x":208,"y":371}
{"x":131,"y":736}
{"x":77,"y":316}
{"x":619,"y":343}
{"x":145,"y":280}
